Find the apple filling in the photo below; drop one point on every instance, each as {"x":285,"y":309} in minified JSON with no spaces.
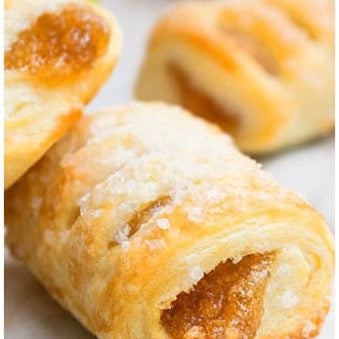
{"x":59,"y":44}
{"x":201,"y":104}
{"x":225,"y":303}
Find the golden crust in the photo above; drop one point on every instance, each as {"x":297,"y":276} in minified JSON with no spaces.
{"x":267,"y":63}
{"x":138,"y":203}
{"x":57,"y":56}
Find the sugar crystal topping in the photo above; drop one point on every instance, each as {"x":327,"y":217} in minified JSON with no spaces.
{"x":163,"y":223}
{"x":196,"y":273}
{"x":289,"y":299}
{"x":121,"y":235}
{"x":194,"y":213}
{"x":155,"y":244}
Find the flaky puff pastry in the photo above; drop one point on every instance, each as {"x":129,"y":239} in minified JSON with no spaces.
{"x":146,"y":222}
{"x":261,"y":69}
{"x":57,"y":55}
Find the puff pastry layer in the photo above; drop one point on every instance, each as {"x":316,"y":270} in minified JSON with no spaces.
{"x":263,"y":70}
{"x":146,"y":222}
{"x":57,"y":55}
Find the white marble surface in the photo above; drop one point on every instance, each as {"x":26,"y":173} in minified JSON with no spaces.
{"x":30,"y":313}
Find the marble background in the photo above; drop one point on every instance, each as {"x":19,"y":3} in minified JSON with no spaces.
{"x":30,"y":313}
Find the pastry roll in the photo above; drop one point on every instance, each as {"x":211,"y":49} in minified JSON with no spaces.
{"x":57,"y":54}
{"x":262,"y":69}
{"x":146,"y":222}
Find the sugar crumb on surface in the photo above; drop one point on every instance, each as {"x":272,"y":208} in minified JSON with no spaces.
{"x":121,"y":236}
{"x":155,"y":244}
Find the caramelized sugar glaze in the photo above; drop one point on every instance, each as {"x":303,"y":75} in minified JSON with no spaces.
{"x":225,"y":303}
{"x":59,"y":44}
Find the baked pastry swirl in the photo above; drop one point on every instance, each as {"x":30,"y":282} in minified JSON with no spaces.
{"x":263,"y":70}
{"x":146,"y":222}
{"x":57,"y":55}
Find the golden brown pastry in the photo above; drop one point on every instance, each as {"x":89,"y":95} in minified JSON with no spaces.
{"x":146,"y":222}
{"x":57,"y":55}
{"x":261,"y":69}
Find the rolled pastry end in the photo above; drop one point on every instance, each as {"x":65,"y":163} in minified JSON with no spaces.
{"x":226,"y":303}
{"x":232,"y":301}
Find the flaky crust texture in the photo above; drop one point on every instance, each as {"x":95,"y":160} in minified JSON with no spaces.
{"x":57,"y":56}
{"x":263,"y":70}
{"x":119,"y":215}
